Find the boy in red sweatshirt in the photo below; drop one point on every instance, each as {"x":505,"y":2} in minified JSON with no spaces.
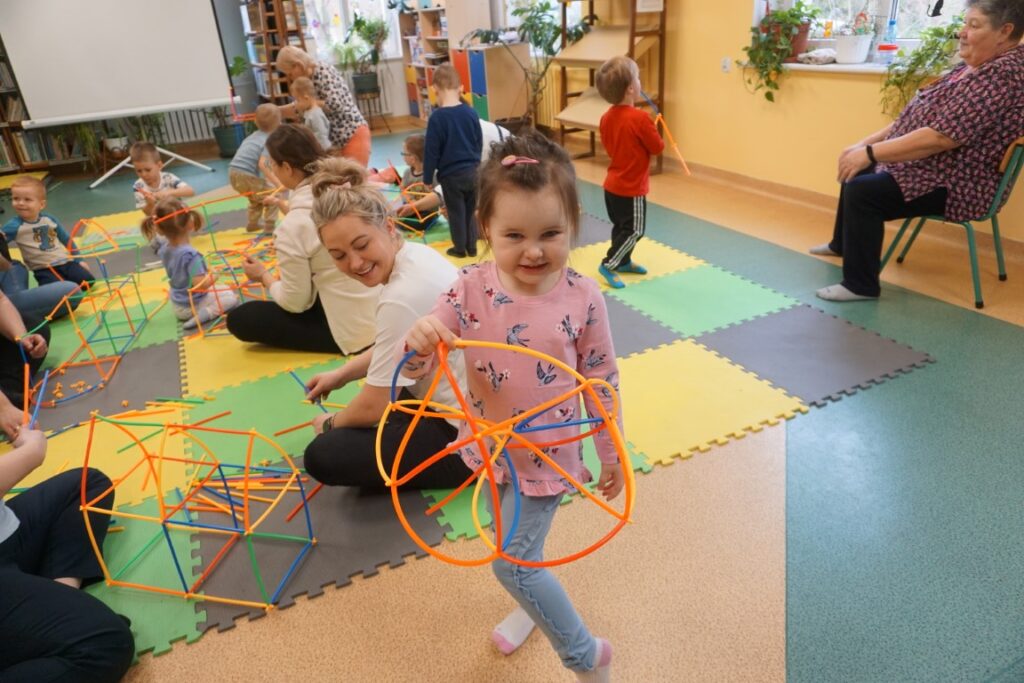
{"x":630,"y":138}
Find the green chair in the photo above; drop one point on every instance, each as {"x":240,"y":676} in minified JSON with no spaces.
{"x":1011,"y":166}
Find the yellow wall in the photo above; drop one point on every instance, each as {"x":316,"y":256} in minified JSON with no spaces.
{"x":794,"y":141}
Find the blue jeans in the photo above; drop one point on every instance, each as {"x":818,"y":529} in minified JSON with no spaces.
{"x":35,"y":302}
{"x":536,"y":589}
{"x":72,"y":271}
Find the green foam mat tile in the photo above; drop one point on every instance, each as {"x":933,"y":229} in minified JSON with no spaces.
{"x":701,"y":299}
{"x":267,"y":405}
{"x":162,"y":327}
{"x":158,"y":620}
{"x":458,"y":514}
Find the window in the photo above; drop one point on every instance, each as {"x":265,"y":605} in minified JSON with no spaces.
{"x":911,"y":15}
{"x":575,"y":11}
{"x":329,"y":21}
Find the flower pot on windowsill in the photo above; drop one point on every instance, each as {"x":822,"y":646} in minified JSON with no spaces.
{"x":853,"y":49}
{"x":798,"y":41}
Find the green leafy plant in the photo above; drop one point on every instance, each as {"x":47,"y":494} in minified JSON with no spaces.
{"x":538,"y":28}
{"x":221,"y":115}
{"x":771,"y":44}
{"x":910,"y":70}
{"x":363,"y":46}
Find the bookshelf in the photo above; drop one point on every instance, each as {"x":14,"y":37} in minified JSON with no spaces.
{"x":429,"y":35}
{"x":29,"y":150}
{"x":269,"y":25}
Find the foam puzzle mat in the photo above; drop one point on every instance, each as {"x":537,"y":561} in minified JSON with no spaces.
{"x":704,"y":356}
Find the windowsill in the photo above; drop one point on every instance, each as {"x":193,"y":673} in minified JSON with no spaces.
{"x":865,"y":68}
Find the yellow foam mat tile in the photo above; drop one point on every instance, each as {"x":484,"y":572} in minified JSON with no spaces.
{"x":152,"y":287}
{"x":682,"y":397}
{"x":121,"y":220}
{"x":657,"y":258}
{"x":217,"y":361}
{"x":67,"y":450}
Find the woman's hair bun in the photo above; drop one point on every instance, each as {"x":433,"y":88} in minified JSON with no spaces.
{"x":336,"y":172}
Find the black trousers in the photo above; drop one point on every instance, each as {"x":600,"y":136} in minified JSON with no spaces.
{"x":346,"y":456}
{"x":629,"y":221}
{"x":50,"y":631}
{"x":12,"y":365}
{"x":265,"y":322}
{"x":460,"y":200}
{"x":865,"y":204}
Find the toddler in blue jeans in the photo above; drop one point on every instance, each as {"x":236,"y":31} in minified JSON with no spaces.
{"x":527,"y":296}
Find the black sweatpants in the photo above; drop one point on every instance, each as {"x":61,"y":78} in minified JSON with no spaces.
{"x":865,"y":203}
{"x":346,"y":456}
{"x":50,"y":631}
{"x":460,"y":200}
{"x":12,"y":365}
{"x":629,"y":221}
{"x":265,"y":322}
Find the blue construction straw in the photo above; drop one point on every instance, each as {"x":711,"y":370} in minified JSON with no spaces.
{"x":651,"y":102}
{"x":39,"y":396}
{"x":302,"y":384}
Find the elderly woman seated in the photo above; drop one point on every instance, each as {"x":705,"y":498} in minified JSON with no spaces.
{"x":941,"y":156}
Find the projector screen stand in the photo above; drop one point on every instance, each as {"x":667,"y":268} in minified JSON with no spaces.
{"x":127,"y":161}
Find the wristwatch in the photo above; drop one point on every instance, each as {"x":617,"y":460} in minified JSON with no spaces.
{"x":871,"y":154}
{"x":328,"y":424}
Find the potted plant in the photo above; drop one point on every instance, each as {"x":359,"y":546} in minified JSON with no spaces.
{"x":360,"y":53}
{"x":539,"y":28}
{"x":228,"y":133}
{"x":777,"y":39}
{"x":936,"y":53}
{"x":853,"y":41}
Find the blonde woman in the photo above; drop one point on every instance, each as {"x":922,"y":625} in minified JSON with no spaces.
{"x":349,"y":132}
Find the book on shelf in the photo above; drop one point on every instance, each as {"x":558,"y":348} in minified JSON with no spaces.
{"x":15,"y":108}
{"x":7,"y":159}
{"x":6,"y":77}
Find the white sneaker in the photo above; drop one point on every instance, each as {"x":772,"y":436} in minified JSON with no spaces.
{"x":822,"y":250}
{"x":840,"y":293}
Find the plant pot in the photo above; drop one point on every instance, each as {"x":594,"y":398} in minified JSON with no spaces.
{"x":515,"y":124}
{"x":229,"y":138}
{"x":799,"y":42}
{"x":365,"y":84}
{"x":117,"y":146}
{"x":853,"y":49}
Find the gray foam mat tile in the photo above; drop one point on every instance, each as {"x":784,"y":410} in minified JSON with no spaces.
{"x":812,"y":355}
{"x":357,"y":531}
{"x":633,"y":332}
{"x":142,"y":375}
{"x":593,"y":230}
{"x":229,"y":220}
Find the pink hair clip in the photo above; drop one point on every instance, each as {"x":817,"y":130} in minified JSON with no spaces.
{"x":512,"y":160}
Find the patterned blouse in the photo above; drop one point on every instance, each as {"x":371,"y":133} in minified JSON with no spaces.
{"x":339,"y":105}
{"x":569,"y":323}
{"x":983,"y":110}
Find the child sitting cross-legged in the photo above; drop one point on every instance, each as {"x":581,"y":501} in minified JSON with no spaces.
{"x":420,"y":209}
{"x":194,"y":296}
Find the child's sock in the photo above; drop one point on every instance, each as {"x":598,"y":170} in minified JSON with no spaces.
{"x":512,"y":631}
{"x":602,"y":671}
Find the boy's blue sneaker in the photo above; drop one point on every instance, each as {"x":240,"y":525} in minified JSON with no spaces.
{"x":610,"y":277}
{"x":632,"y":267}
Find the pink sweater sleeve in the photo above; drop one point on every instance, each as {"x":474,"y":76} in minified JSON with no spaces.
{"x":596,"y":359}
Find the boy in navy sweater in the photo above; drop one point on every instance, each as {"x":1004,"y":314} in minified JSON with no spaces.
{"x":453,"y":147}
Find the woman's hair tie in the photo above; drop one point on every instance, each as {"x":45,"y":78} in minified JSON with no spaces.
{"x":512,"y":160}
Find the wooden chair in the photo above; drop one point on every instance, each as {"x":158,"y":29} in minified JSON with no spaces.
{"x":1011,"y":166}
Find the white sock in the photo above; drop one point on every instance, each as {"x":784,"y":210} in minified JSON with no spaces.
{"x":512,"y":631}
{"x":822,"y":250}
{"x":840,"y":293}
{"x":602,"y":671}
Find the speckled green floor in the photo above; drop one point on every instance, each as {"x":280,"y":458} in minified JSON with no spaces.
{"x":905,"y":540}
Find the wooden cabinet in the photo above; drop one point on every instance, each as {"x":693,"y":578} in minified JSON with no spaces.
{"x":494,"y":83}
{"x":270,"y":25}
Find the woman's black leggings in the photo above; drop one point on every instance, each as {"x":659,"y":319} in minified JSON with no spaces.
{"x":346,"y":456}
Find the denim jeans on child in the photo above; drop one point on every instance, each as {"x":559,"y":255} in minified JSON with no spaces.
{"x":35,"y":302}
{"x":536,"y":589}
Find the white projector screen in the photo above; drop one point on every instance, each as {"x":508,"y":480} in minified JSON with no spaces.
{"x":88,"y":60}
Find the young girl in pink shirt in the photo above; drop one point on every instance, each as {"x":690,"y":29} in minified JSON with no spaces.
{"x":527,"y":296}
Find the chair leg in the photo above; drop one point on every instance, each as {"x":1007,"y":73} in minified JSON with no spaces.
{"x":895,"y":241}
{"x":910,"y":242}
{"x":999,"y":247}
{"x":978,"y":301}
